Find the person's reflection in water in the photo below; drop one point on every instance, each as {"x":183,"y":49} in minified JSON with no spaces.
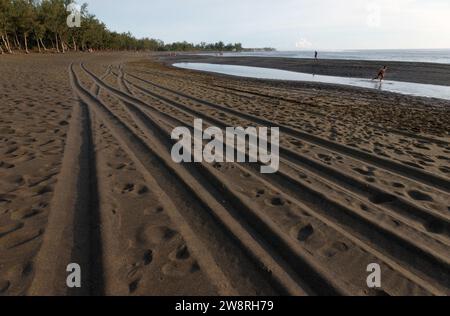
{"x":378,"y":85}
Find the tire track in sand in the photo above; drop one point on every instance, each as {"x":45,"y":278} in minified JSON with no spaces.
{"x":72,"y":234}
{"x":322,"y":197}
{"x":432,"y":221}
{"x":403,"y":170}
{"x":145,"y":159}
{"x":128,"y":100}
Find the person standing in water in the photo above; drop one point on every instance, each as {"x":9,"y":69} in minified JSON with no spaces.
{"x":381,"y":74}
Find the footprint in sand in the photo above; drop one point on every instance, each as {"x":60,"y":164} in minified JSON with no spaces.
{"x":132,"y":188}
{"x":366,"y":171}
{"x":276,"y":201}
{"x":398,"y":185}
{"x":28,"y":269}
{"x":133,"y":286}
{"x":142,"y":189}
{"x":443,"y":158}
{"x":297,"y":143}
{"x":5,"y":165}
{"x":180,"y":254}
{"x":335,"y":248}
{"x":129,"y":187}
{"x":21,"y":237}
{"x":117,"y":166}
{"x":325,"y":158}
{"x":179,"y":269}
{"x":155,"y":235}
{"x":364,"y":207}
{"x":4,"y":286}
{"x":6,"y":198}
{"x":435,"y":227}
{"x":422,"y":146}
{"x":382,"y":198}
{"x":307,"y":234}
{"x":148,"y":257}
{"x":10,"y":228}
{"x":420,"y":196}
{"x":26,"y":213}
{"x":259,"y":193}
{"x":44,"y":189}
{"x":15,"y":179}
{"x":134,"y":271}
{"x":154,"y":210}
{"x":11,"y":150}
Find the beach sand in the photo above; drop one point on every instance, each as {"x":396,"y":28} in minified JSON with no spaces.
{"x":86,"y":177}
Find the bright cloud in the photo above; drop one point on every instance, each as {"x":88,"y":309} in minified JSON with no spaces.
{"x":303,"y":44}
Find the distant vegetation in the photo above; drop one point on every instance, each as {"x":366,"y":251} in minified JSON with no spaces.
{"x":41,"y":25}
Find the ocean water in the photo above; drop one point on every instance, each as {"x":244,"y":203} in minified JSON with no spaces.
{"x":414,"y":89}
{"x":441,"y":56}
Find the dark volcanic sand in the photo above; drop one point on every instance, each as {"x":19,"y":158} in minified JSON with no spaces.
{"x":86,"y":176}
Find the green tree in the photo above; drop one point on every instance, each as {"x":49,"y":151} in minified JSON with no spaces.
{"x":24,"y":20}
{"x":5,"y":23}
{"x":43,"y":23}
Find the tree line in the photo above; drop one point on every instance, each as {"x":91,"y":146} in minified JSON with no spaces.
{"x":41,"y":25}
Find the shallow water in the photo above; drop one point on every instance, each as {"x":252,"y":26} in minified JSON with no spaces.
{"x":415,"y":89}
{"x":407,"y":55}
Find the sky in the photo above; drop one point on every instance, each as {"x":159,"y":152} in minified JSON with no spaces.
{"x":284,"y":24}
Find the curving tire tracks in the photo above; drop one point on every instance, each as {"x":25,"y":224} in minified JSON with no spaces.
{"x":124,"y":96}
{"x":230,"y":235}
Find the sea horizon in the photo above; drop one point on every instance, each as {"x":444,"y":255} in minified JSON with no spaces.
{"x":439,"y":56}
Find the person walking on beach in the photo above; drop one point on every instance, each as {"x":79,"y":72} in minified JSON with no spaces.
{"x":381,"y":74}
{"x":316,"y":54}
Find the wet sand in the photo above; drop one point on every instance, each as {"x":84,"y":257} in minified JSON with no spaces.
{"x":86,"y":176}
{"x":427,"y":73}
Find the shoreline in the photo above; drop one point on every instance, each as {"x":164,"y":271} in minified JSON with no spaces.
{"x":422,"y":101}
{"x":414,"y":72}
{"x":428,"y":91}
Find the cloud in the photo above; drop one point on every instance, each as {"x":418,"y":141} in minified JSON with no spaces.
{"x":303,"y":43}
{"x":285,"y":24}
{"x":374,"y":15}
